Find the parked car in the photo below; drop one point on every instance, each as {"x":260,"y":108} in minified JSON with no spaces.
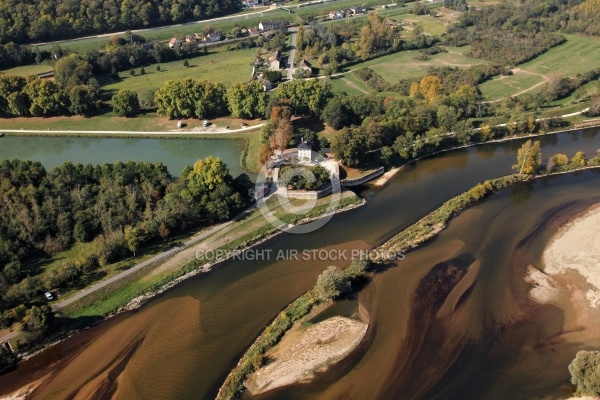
{"x":205,"y":123}
{"x":48,"y":296}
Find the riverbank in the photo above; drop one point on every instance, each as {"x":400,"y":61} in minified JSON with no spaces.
{"x":143,"y":286}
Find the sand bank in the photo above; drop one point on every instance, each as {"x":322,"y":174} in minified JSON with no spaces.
{"x":577,"y":247}
{"x":298,"y":356}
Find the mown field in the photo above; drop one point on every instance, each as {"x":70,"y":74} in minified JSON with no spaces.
{"x":404,"y":65}
{"x":26,"y":70}
{"x":577,"y":55}
{"x":503,"y":86}
{"x":219,"y":65}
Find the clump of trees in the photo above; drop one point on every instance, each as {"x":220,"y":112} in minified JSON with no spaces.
{"x":303,"y":177}
{"x":125,"y":103}
{"x":247,"y":100}
{"x":185,"y":98}
{"x":585,"y":373}
{"x":304,"y":97}
{"x":529,"y":158}
{"x":33,"y":97}
{"x":110,"y":210}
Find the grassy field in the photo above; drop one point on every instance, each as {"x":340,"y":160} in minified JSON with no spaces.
{"x":143,"y":123}
{"x":26,"y":70}
{"x":433,"y":26}
{"x":578,"y":54}
{"x":219,"y":65}
{"x":341,"y":85}
{"x":503,"y":86}
{"x":403,"y":64}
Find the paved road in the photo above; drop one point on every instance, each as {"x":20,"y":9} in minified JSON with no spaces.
{"x":290,"y":72}
{"x":7,"y":337}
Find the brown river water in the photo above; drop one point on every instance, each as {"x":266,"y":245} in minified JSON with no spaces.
{"x":450,"y":321}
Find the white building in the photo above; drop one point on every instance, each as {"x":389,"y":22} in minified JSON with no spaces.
{"x":304,"y":151}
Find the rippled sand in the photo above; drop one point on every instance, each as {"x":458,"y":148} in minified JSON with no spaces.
{"x":576,"y":247}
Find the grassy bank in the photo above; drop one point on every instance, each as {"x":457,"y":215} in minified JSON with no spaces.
{"x":240,"y":235}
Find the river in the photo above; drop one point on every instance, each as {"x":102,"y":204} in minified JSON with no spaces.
{"x":181,"y":344}
{"x":176,"y":154}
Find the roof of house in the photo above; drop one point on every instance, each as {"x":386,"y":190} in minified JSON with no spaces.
{"x":276,"y":56}
{"x":173,"y":40}
{"x":304,"y":63}
{"x":304,"y":146}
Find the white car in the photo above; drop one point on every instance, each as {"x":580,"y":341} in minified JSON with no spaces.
{"x":48,"y":296}
{"x":205,"y":123}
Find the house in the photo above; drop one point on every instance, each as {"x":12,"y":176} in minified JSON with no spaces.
{"x":266,"y":26}
{"x":305,"y":65}
{"x":266,"y":84}
{"x":275,"y":61}
{"x":304,"y":151}
{"x":253,"y":31}
{"x":337,"y":15}
{"x":357,"y":10}
{"x":212,"y":37}
{"x":190,"y":39}
{"x":174,"y":42}
{"x":259,"y":190}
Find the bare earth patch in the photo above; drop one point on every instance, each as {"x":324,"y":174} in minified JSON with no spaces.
{"x":298,"y":356}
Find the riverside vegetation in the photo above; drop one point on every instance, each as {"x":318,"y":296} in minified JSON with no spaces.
{"x":109,"y":212}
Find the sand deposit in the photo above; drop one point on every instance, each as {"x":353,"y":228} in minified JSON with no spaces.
{"x":314,"y":348}
{"x":577,"y":247}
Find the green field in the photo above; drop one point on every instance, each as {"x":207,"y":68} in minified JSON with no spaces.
{"x":26,"y":70}
{"x":222,"y":66}
{"x":578,"y":54}
{"x":433,"y":26}
{"x":503,"y":86}
{"x":404,"y":65}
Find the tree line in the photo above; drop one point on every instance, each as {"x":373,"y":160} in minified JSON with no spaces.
{"x":109,"y":210}
{"x":32,"y":20}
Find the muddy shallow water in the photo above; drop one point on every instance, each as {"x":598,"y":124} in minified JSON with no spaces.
{"x":450,"y":341}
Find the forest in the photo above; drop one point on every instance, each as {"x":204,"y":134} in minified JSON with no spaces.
{"x":114,"y":209}
{"x":32,"y":20}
